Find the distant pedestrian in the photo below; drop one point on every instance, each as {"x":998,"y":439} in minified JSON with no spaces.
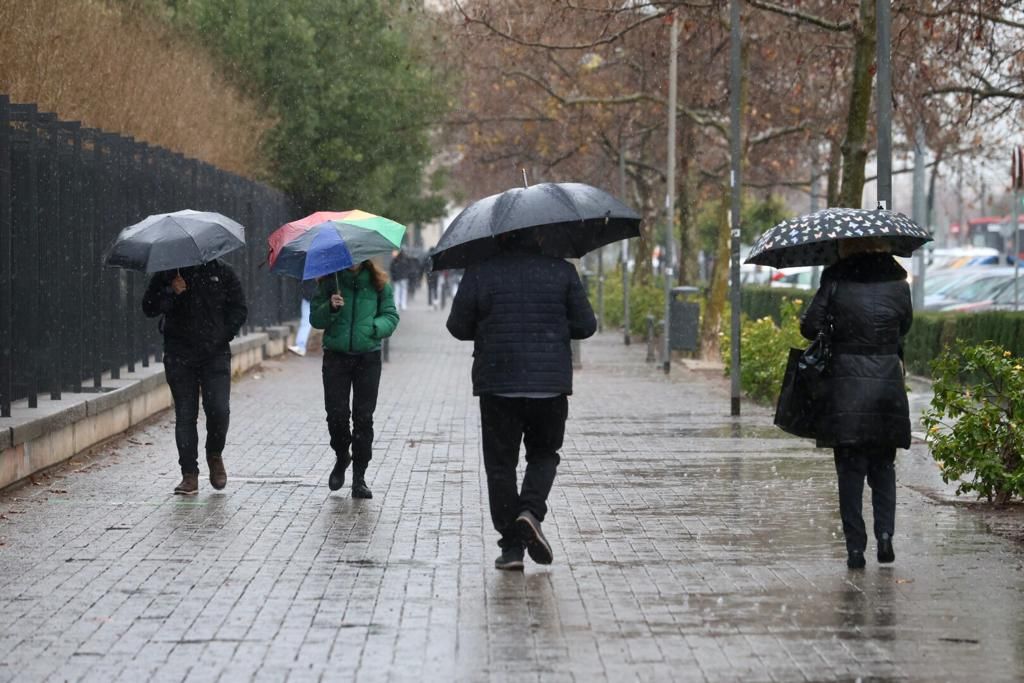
{"x":401,"y":271}
{"x":865,"y":413}
{"x":202,"y":308}
{"x":521,"y":310}
{"x":302,"y":335}
{"x":356,"y":310}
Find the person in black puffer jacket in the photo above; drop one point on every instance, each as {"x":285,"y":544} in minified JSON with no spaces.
{"x":521,"y":310}
{"x":864,"y":414}
{"x":203,"y":309}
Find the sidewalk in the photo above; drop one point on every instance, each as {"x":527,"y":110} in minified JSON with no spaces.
{"x":689,"y":546}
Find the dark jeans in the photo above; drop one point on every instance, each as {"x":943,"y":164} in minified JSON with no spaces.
{"x":505,"y":423}
{"x":187,"y":377}
{"x":853,"y":463}
{"x":356,"y":375}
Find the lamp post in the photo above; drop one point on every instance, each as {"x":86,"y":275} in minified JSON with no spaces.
{"x":670,"y":205}
{"x":735,"y":180}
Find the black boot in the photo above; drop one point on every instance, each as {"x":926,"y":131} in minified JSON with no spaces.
{"x":885,"y":552}
{"x":359,"y":487}
{"x":337,"y":478}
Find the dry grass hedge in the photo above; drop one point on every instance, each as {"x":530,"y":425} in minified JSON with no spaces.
{"x":128,"y":73}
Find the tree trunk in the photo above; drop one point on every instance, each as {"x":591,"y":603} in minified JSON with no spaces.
{"x":835,"y":159}
{"x":855,"y":151}
{"x":643,"y":273}
{"x":711,"y":325}
{"x":686,"y":199}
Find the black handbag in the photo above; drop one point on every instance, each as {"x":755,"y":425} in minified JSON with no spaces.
{"x":796,"y":411}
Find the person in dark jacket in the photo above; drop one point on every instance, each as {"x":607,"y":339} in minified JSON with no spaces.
{"x":356,"y":310}
{"x":864,"y":415}
{"x":203,"y":309}
{"x":521,"y":310}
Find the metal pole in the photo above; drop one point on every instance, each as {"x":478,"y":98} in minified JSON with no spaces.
{"x":919,"y":215}
{"x":815,"y":183}
{"x":6,"y":252}
{"x":600,"y":289}
{"x":625,"y":252}
{"x":1017,"y":162}
{"x":736,"y":181}
{"x":883,"y":23}
{"x":670,"y":194}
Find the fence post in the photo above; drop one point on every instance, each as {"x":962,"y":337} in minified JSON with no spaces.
{"x":6,"y":281}
{"x":32,"y":227}
{"x":650,"y":338}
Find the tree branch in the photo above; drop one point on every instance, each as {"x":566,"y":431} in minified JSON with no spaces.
{"x":802,"y":16}
{"x":549,"y":46}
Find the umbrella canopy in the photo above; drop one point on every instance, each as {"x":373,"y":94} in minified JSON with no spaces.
{"x":166,"y":241}
{"x":813,"y":239}
{"x":566,"y":219}
{"x":306,"y":249}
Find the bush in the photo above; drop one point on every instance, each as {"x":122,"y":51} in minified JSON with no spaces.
{"x":975,"y":424}
{"x":644,"y":300}
{"x":764,"y":350}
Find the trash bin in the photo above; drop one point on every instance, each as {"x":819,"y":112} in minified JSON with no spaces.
{"x":684,"y":320}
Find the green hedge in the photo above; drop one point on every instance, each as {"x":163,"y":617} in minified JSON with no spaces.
{"x":759,"y":302}
{"x":933,"y":333}
{"x":645,"y":300}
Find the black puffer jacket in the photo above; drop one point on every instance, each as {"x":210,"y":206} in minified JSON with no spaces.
{"x":200,"y":321}
{"x":865,"y":397}
{"x":521,"y":310}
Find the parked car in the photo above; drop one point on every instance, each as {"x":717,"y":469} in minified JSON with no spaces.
{"x":800,"y":277}
{"x":977,"y":285}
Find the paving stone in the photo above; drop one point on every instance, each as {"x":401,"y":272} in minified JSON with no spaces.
{"x":689,"y":545}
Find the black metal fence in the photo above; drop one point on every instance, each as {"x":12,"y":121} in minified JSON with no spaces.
{"x":65,"y":193}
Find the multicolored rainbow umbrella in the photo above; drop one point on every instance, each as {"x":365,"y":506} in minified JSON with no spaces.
{"x":328,"y":241}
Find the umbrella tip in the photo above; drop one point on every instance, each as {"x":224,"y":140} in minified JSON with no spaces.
{"x":525,"y":181}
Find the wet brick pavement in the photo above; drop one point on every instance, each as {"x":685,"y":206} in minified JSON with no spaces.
{"x":689,"y":546}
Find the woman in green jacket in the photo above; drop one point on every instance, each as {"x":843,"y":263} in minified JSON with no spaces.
{"x":356,"y":310}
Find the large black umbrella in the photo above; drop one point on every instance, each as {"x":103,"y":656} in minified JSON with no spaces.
{"x":166,"y":241}
{"x":813,"y":239}
{"x":566,"y":219}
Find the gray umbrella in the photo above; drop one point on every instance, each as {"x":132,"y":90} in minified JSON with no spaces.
{"x":166,"y":241}
{"x":566,"y":219}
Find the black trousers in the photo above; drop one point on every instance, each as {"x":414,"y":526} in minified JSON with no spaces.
{"x":354,"y":376}
{"x":188,"y":378}
{"x":506,"y":422}
{"x":853,"y":464}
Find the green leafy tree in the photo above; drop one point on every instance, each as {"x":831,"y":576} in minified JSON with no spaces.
{"x":756,"y":216}
{"x":354,"y":98}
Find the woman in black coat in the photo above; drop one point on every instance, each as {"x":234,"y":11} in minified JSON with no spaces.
{"x":864,"y":413}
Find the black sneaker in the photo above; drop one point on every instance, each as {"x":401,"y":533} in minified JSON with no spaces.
{"x":337,"y":478}
{"x":528,"y":527}
{"x":511,"y":559}
{"x":855,"y":559}
{"x":886,"y":554}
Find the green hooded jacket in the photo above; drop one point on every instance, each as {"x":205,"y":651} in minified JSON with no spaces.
{"x":367,"y":316}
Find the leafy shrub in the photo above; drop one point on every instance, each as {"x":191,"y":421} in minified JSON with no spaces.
{"x":974,"y":424}
{"x":644,"y":300}
{"x":764,"y":350}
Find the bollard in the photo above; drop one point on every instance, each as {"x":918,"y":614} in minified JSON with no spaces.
{"x":577,"y":354}
{"x":650,"y":338}
{"x":384,"y":348}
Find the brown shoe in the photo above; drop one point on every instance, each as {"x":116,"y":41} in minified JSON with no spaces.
{"x":189,"y":485}
{"x":218,"y":475}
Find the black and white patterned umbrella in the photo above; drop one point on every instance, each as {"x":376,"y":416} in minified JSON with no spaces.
{"x":813,"y":239}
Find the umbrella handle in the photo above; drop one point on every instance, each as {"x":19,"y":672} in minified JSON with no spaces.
{"x":337,"y":285}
